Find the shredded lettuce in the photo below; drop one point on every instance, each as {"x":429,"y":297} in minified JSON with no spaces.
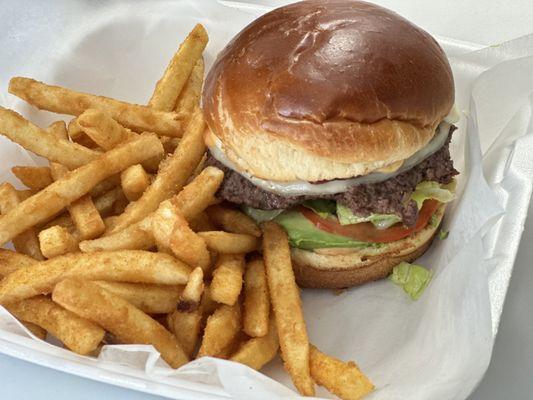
{"x":412,"y":278}
{"x":443,"y":234}
{"x":381,"y":221}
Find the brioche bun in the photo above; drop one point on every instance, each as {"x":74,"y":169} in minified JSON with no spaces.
{"x":321,"y":90}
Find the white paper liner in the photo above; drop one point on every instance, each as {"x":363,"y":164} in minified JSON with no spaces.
{"x":435,"y":348}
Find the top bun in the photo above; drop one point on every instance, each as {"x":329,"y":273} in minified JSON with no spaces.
{"x":326,"y":89}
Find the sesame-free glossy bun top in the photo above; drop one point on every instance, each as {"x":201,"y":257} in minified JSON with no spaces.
{"x":340,"y":87}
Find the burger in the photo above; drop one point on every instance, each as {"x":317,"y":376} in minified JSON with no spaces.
{"x":334,"y":118}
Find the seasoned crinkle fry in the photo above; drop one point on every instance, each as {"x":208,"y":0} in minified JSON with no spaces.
{"x":56,"y":241}
{"x":134,"y":181}
{"x":229,"y":243}
{"x":343,"y":379}
{"x":233,"y":220}
{"x":256,"y":300}
{"x":180,"y":67}
{"x":10,"y":261}
{"x":38,"y":141}
{"x":133,"y":266}
{"x":65,"y":101}
{"x":227,"y":278}
{"x":189,"y":97}
{"x":77,"y":333}
{"x":257,"y":352}
{"x":222,"y":327}
{"x":192,"y":294}
{"x":25,"y":242}
{"x":186,"y":327}
{"x":287,"y":305}
{"x":126,"y":322}
{"x":151,"y":299}
{"x":172,"y":176}
{"x":79,"y":182}
{"x":36,"y":178}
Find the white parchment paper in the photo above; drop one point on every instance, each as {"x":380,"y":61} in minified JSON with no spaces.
{"x":435,"y":348}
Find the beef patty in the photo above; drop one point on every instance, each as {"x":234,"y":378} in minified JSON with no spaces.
{"x":391,"y":196}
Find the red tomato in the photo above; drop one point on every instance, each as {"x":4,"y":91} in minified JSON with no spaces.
{"x":367,"y":232}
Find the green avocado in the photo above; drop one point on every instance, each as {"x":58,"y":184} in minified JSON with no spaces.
{"x":304,"y":235}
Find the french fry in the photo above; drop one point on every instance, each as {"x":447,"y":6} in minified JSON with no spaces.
{"x":25,"y":242}
{"x":226,"y":285}
{"x":38,"y":141}
{"x":229,"y":243}
{"x":24,"y":194}
{"x":75,"y":131}
{"x":35,"y":329}
{"x":125,"y":321}
{"x":10,"y":261}
{"x":258,"y":351}
{"x":105,"y":202}
{"x":180,"y":67}
{"x":221,"y":329}
{"x":199,"y":194}
{"x":131,"y":238}
{"x":287,"y":305}
{"x":189,"y":97}
{"x":171,"y":231}
{"x":207,"y":304}
{"x":79,"y":182}
{"x":134,"y":181}
{"x":186,"y":327}
{"x":63,"y":221}
{"x":343,"y":379}
{"x":64,"y":101}
{"x":172,"y":175}
{"x":133,"y":266}
{"x":233,"y":220}
{"x":36,"y":178}
{"x":56,"y":241}
{"x":233,"y":346}
{"x":256,"y":300}
{"x":192,"y":294}
{"x":78,"y":334}
{"x":108,"y":133}
{"x":84,"y":214}
{"x":151,"y":299}
{"x":170,"y":143}
{"x":103,"y":130}
{"x":202,"y":223}
{"x":191,"y":201}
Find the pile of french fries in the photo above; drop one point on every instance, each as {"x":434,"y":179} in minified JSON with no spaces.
{"x":120,"y":239}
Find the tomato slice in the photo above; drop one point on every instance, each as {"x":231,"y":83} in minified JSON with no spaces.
{"x":367,"y":232}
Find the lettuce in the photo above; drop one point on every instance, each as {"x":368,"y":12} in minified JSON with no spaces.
{"x":433,"y":190}
{"x":261,"y":215}
{"x":322,"y":207}
{"x":304,"y":235}
{"x":381,"y":221}
{"x":412,"y":278}
{"x":424,"y":191}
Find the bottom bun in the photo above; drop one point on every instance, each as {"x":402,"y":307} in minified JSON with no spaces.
{"x":341,"y":268}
